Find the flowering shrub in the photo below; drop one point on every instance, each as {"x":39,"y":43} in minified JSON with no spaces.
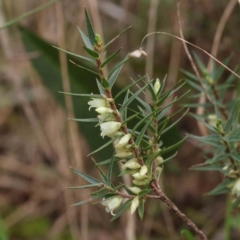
{"x":140,"y":151}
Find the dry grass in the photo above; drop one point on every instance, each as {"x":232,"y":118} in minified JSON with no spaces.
{"x":37,"y":143}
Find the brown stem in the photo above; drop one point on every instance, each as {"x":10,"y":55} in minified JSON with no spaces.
{"x":181,"y":215}
{"x":137,"y":154}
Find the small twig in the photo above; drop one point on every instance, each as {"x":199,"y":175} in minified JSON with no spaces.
{"x":181,"y":215}
{"x":201,"y":49}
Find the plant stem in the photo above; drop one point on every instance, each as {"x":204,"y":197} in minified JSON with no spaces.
{"x":155,"y":185}
{"x":181,"y":215}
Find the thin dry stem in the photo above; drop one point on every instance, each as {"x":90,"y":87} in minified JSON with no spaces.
{"x":72,"y":127}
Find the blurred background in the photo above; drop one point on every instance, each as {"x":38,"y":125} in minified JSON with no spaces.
{"x":38,"y":142}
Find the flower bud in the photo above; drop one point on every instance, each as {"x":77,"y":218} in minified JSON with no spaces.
{"x":157,"y":86}
{"x":123,"y":153}
{"x":134,"y":204}
{"x":123,"y":141}
{"x":103,"y":110}
{"x":131,"y":165}
{"x":159,"y":160}
{"x":138,"y":53}
{"x":143,"y":170}
{"x":138,"y":176}
{"x":141,"y":182}
{"x":212,"y":119}
{"x":159,"y":170}
{"x":135,"y":190}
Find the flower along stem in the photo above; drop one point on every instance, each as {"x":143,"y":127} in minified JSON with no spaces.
{"x":139,"y":153}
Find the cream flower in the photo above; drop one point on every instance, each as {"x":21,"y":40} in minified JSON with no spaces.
{"x":143,"y":170}
{"x":141,"y":182}
{"x":236,"y":188}
{"x":135,"y":190}
{"x":103,"y":110}
{"x":159,"y":160}
{"x":97,"y":102}
{"x":157,"y":86}
{"x":109,"y":128}
{"x":138,"y":53}
{"x":123,"y":141}
{"x":104,"y":117}
{"x":134,"y":205}
{"x":131,"y":164}
{"x":123,"y":153}
{"x":112,"y":203}
{"x":138,"y":176}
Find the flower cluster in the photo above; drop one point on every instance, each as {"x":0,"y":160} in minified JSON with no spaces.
{"x":111,"y":128}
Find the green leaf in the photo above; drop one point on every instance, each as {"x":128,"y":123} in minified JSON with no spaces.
{"x":187,"y":234}
{"x":144,"y":192}
{"x":151,"y":89}
{"x":83,"y":95}
{"x":103,"y":146}
{"x":85,"y":39}
{"x":140,"y":136}
{"x":108,"y":161}
{"x":190,"y":75}
{"x":194,"y":85}
{"x":91,"y":33}
{"x":162,"y":86}
{"x":86,"y":177}
{"x":152,"y":157}
{"x":222,"y":187}
{"x":169,"y":158}
{"x":79,"y":56}
{"x":233,"y":116}
{"x":200,"y":63}
{"x":144,"y":104}
{"x":111,"y":41}
{"x":113,"y":78}
{"x":105,"y":194}
{"x":85,"y":119}
{"x":80,"y":203}
{"x":87,"y":69}
{"x":85,"y":186}
{"x":3,"y":233}
{"x":109,"y":58}
{"x":130,"y":118}
{"x":166,"y":150}
{"x":118,"y":65}
{"x":100,"y":88}
{"x":172,"y":125}
{"x":133,"y":97}
{"x":121,"y":210}
{"x":214,"y":140}
{"x":144,"y":120}
{"x":101,"y":173}
{"x":206,"y":167}
{"x":141,"y":209}
{"x":127,"y":87}
{"x":110,"y":169}
{"x":199,"y":118}
{"x":91,"y":52}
